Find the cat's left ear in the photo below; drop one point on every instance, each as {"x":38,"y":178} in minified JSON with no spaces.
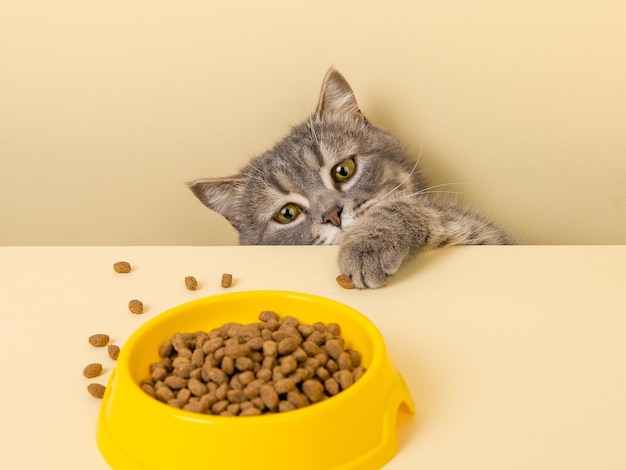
{"x":220,"y":195}
{"x":337,"y":98}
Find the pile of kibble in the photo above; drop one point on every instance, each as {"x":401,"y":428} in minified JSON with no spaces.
{"x":270,"y":366}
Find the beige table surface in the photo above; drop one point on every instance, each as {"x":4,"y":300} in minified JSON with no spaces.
{"x":515,"y":356}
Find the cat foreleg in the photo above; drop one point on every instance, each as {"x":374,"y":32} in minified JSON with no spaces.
{"x":375,"y":248}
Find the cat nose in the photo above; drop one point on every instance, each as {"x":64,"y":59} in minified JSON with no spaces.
{"x":333,"y":216}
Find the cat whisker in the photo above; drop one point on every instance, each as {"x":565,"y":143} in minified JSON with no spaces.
{"x":399,"y":185}
{"x":433,"y":192}
{"x":429,"y":190}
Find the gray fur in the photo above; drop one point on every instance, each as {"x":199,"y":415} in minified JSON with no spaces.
{"x":379,"y":216}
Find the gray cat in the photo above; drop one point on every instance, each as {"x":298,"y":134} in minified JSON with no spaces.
{"x":338,"y":179}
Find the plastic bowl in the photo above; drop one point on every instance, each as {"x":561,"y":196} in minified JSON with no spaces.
{"x":355,"y":429}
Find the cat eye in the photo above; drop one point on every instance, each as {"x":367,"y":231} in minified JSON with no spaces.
{"x":287,"y":213}
{"x":343,"y":170}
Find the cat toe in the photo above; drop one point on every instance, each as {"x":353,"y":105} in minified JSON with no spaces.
{"x":366,"y":274}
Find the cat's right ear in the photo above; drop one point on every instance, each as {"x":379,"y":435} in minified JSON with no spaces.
{"x":337,"y":98}
{"x":220,"y":195}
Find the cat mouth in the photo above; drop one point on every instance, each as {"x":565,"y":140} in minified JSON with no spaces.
{"x":331,"y":234}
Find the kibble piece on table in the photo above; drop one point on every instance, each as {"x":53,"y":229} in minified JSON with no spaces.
{"x":122,"y":267}
{"x":96,"y":390}
{"x":92,"y":370}
{"x":345,"y":281}
{"x":135,"y":306}
{"x":191,"y":283}
{"x":99,"y":340}
{"x":227,"y":280}
{"x":113,"y":351}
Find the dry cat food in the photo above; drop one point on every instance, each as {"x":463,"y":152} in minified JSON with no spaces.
{"x":99,"y":340}
{"x":96,"y":390}
{"x":122,"y":267}
{"x":270,"y":366}
{"x":227,"y":280}
{"x":345,"y":281}
{"x":92,"y":370}
{"x":135,"y":306}
{"x":191,"y":283}
{"x":114,"y":351}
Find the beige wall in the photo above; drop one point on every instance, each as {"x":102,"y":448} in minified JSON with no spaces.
{"x":107,"y":108}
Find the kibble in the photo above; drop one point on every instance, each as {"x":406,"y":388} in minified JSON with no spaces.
{"x":149,"y":389}
{"x":331,"y":386}
{"x":166,"y":349}
{"x":287,"y":346}
{"x":313,"y":389}
{"x":96,"y":390}
{"x":269,"y":396}
{"x":297,"y":399}
{"x":334,"y":348}
{"x":220,"y":406}
{"x":288,"y":364}
{"x":246,"y":370}
{"x":191,"y":283}
{"x":333,"y":328}
{"x":283,"y":386}
{"x":344,"y":378}
{"x":227,"y":280}
{"x":250,"y":411}
{"x":196,"y":387}
{"x":345,"y":281}
{"x":114,"y":351}
{"x":175,"y":382}
{"x":99,"y":340}
{"x":164,"y":393}
{"x":344,"y":361}
{"x":92,"y":370}
{"x":122,"y":267}
{"x":284,"y":405}
{"x":268,"y":315}
{"x":135,"y":306}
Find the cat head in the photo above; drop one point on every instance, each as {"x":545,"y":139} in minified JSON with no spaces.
{"x":316,"y":182}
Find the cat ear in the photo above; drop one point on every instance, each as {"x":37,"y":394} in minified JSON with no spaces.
{"x":337,"y":98}
{"x":220,"y":195}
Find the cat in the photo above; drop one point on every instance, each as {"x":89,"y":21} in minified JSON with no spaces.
{"x":338,"y":179}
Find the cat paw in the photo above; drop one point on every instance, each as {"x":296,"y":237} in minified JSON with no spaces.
{"x":371,"y":261}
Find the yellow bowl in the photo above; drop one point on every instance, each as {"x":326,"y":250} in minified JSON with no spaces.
{"x":355,"y":429}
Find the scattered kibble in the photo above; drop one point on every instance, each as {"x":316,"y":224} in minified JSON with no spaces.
{"x":227,"y":280}
{"x":122,"y":267}
{"x":96,"y":390}
{"x":191,"y":283}
{"x":99,"y":340}
{"x":345,"y":281}
{"x":92,"y":370}
{"x":270,"y":366}
{"x":135,"y":306}
{"x":114,"y":351}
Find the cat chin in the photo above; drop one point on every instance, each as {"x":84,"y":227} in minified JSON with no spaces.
{"x":331,"y":235}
